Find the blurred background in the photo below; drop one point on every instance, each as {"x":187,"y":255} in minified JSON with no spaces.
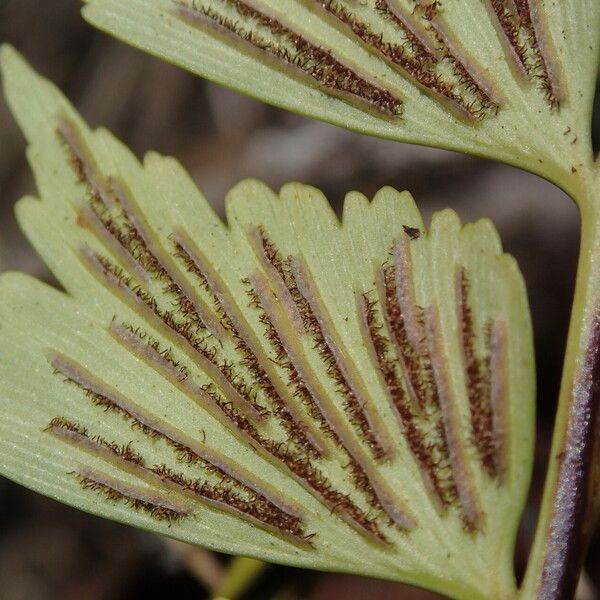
{"x":48,"y":551}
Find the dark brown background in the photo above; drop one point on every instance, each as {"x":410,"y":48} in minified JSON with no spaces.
{"x":48,"y":551}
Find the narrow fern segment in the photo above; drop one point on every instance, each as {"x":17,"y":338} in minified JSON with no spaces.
{"x":457,"y":84}
{"x":335,"y":395}
{"x":525,"y":34}
{"x":266,"y":33}
{"x":510,"y":79}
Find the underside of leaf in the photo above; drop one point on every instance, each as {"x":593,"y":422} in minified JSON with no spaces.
{"x":353,"y":396}
{"x":509,"y":79}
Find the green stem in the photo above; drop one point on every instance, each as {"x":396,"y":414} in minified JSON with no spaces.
{"x":564,"y":522}
{"x":240,"y":576}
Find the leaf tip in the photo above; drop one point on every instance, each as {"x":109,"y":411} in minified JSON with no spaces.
{"x":7,"y":52}
{"x":13,"y":66}
{"x":446,"y":219}
{"x":33,"y":100}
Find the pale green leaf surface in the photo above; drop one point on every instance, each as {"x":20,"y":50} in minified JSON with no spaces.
{"x":525,"y":130}
{"x":459,"y":542}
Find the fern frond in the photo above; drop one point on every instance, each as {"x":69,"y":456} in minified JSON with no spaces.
{"x":351,"y":395}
